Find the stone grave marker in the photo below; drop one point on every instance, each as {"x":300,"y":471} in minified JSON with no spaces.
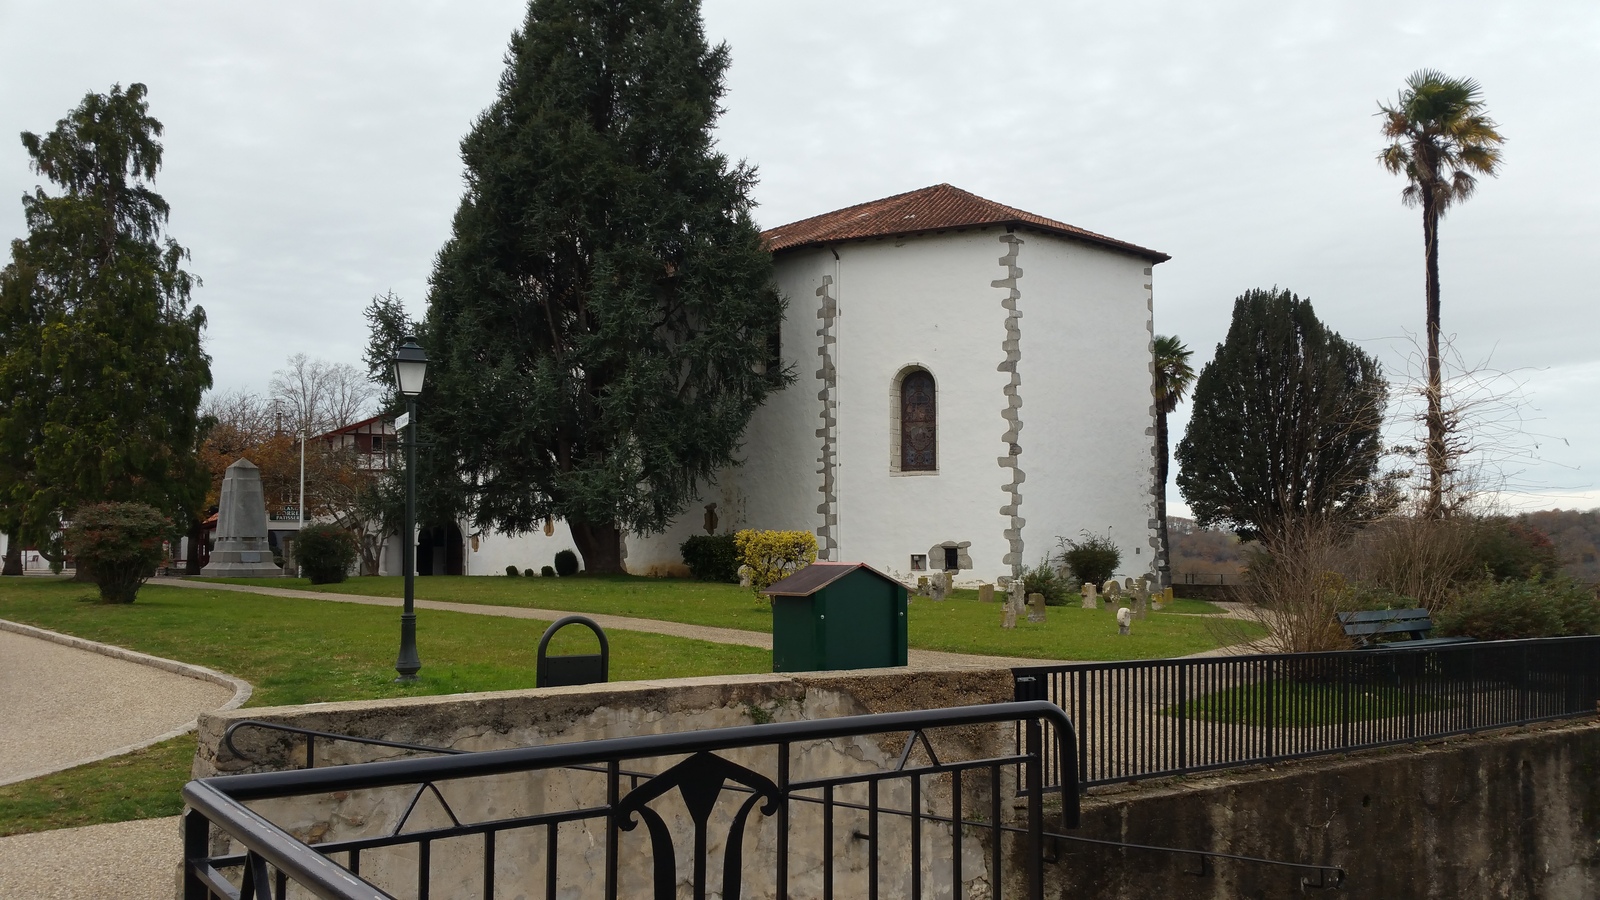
{"x":1090,"y":598}
{"x":985,"y":593}
{"x":1124,"y":621}
{"x":1035,"y":607}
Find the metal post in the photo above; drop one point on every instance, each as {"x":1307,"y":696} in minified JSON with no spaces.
{"x":408,"y":663}
{"x":301,"y":508}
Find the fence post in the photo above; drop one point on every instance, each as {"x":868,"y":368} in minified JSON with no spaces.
{"x":1269,"y":722}
{"x":1083,"y":725}
{"x":196,"y":848}
{"x":1035,"y":811}
{"x":1183,"y":716}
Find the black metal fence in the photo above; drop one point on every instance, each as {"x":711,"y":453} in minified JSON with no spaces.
{"x":769,"y":810}
{"x":1171,"y":716}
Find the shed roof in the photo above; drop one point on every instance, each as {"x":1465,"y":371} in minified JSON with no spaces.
{"x":937,"y":208}
{"x":817,"y":576}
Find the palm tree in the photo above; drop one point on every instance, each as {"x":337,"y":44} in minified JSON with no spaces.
{"x":1439,"y":136}
{"x":1173,"y":376}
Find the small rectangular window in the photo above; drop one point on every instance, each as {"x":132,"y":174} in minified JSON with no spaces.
{"x":377,"y":443}
{"x":952,"y":559}
{"x":919,"y":562}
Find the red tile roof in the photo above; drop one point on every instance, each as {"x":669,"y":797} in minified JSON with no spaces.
{"x":938,"y":208}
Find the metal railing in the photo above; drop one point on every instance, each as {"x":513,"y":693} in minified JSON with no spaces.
{"x":1166,"y":717}
{"x":784,"y":824}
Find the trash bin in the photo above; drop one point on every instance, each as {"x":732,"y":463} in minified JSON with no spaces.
{"x":837,"y":616}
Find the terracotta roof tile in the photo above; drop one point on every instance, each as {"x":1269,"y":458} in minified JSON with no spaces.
{"x":936,"y":208}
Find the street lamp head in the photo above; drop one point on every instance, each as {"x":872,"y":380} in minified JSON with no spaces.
{"x":410,"y":365}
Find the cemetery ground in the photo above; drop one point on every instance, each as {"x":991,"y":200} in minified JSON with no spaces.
{"x":959,"y":624}
{"x":296,"y":651}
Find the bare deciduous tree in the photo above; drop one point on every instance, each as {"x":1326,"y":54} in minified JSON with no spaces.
{"x":318,"y":396}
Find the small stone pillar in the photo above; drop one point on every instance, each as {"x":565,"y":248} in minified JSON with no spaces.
{"x":985,"y":593}
{"x":922,"y":586}
{"x":1124,"y":621}
{"x":1035,"y":607}
{"x":1091,"y":599}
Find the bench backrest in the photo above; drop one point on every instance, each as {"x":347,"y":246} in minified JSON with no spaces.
{"x":1386,"y":621}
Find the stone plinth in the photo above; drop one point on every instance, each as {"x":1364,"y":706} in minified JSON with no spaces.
{"x":242,"y":550}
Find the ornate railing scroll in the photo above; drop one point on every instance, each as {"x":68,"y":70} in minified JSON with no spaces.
{"x":844,"y":807}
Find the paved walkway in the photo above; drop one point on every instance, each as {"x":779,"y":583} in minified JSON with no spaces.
{"x":619,"y":623}
{"x":63,"y":706}
{"x":122,"y":861}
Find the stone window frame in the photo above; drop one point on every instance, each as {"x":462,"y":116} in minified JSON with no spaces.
{"x":894,"y":420}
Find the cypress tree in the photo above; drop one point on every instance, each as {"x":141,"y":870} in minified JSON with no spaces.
{"x":101,"y":367}
{"x":598,"y":323}
{"x":1285,"y":423}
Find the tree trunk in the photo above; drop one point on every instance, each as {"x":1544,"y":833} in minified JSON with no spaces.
{"x":13,"y":564}
{"x":600,"y":545}
{"x":191,"y":558}
{"x":1435,"y":450}
{"x":1164,"y":563}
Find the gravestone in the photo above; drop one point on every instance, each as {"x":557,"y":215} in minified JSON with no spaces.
{"x":937,"y":587}
{"x":923,"y":589}
{"x":242,"y":550}
{"x":1090,"y":599}
{"x":1124,"y":621}
{"x":1141,"y":598}
{"x":744,"y":576}
{"x":985,"y":593}
{"x":1113,"y":592}
{"x":1035,"y":607}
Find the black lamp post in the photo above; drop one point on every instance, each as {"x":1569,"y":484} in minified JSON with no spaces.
{"x":410,"y":366}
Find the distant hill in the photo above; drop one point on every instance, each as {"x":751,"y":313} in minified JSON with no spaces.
{"x":1576,"y":536}
{"x":1202,"y":551}
{"x":1207,"y":551}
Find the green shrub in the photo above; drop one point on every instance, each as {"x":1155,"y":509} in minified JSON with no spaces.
{"x":119,"y":545}
{"x":546,"y":572}
{"x":566,"y":563}
{"x":1092,"y":559}
{"x":1512,"y":550}
{"x":527,"y":573}
{"x":1044,"y":579}
{"x":712,"y":557}
{"x":326,"y":553}
{"x":1538,"y":607}
{"x":511,"y":572}
{"x":774,"y":555}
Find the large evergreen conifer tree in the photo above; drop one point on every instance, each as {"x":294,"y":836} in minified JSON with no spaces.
{"x":1285,"y":426}
{"x":101,"y":367}
{"x":599,"y":324}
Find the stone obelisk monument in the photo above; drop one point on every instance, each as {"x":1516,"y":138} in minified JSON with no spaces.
{"x":242,"y":550}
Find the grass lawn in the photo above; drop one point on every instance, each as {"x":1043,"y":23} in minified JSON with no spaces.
{"x":960,"y":624}
{"x":295,"y":651}
{"x":1305,"y":703}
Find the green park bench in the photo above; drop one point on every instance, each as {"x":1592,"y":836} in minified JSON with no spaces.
{"x":1368,"y":625}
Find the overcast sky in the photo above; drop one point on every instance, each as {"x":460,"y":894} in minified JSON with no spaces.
{"x":312,"y":155}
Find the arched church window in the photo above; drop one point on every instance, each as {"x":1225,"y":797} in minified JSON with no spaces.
{"x":919,"y":423}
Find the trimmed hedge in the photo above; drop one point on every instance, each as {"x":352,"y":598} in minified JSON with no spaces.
{"x":326,"y":553}
{"x":712,"y":557}
{"x":566,"y":563}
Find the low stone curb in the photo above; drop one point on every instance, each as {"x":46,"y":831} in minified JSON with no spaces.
{"x":241,"y":688}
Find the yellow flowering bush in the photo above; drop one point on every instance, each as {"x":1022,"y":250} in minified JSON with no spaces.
{"x":773,"y":555}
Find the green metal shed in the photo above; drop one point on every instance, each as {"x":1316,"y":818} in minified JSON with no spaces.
{"x":833,"y":615}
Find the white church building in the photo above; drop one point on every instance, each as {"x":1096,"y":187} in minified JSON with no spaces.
{"x":974,"y":382}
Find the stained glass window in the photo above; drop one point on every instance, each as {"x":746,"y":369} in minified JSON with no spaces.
{"x":918,"y":423}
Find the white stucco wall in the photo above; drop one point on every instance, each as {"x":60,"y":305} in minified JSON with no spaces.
{"x":1090,"y":428}
{"x":872,"y":309}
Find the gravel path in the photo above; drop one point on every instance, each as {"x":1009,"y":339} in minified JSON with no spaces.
{"x":122,"y":861}
{"x":63,"y":706}
{"x":620,"y":623}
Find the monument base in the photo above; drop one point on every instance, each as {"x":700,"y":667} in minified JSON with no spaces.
{"x":241,"y":559}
